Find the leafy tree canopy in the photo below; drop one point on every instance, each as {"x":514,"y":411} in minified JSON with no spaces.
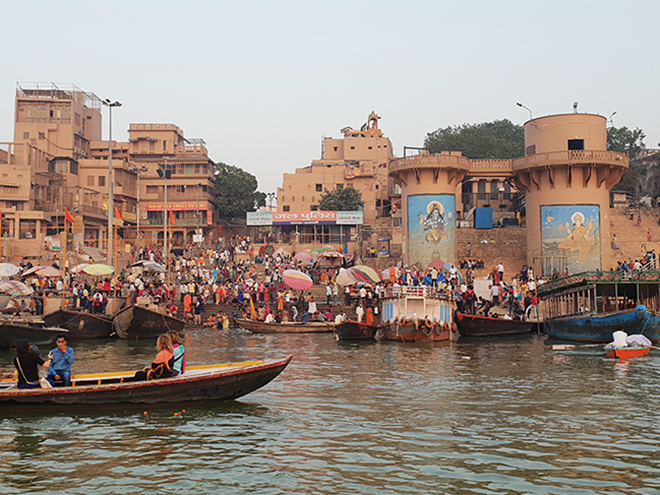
{"x":625,"y":140}
{"x":236,"y":191}
{"x":500,"y":139}
{"x":345,"y":199}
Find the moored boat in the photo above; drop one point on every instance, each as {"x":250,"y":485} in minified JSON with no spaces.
{"x":590,"y":306}
{"x":135,"y":322}
{"x":214,"y":382}
{"x":354,"y":330}
{"x":80,"y":324}
{"x":486,"y":326}
{"x":13,"y":330}
{"x":413,"y":314}
{"x":256,"y":326}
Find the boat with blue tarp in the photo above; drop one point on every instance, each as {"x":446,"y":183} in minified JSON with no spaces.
{"x":591,"y":306}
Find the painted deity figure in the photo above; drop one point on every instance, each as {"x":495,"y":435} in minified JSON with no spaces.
{"x":433,"y":224}
{"x":579,"y":238}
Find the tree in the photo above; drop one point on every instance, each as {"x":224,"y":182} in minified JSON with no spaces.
{"x":236,"y":191}
{"x":500,"y":139}
{"x":626,"y":141}
{"x":345,"y":199}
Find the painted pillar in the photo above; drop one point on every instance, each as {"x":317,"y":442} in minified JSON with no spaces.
{"x":567,"y":174}
{"x":428,"y":202}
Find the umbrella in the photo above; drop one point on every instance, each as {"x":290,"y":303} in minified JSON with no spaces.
{"x":331,"y":254}
{"x":98,"y":270}
{"x":304,"y":257}
{"x":79,"y":268}
{"x":8,"y":269}
{"x":297,"y":280}
{"x":48,"y":271}
{"x":366,"y":274}
{"x":281,"y":252}
{"x":150,"y":265}
{"x":32,"y":271}
{"x":15,"y":288}
{"x":345,"y":277}
{"x":437,"y":264}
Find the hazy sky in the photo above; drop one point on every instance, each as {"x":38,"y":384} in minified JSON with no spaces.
{"x":263,"y":81}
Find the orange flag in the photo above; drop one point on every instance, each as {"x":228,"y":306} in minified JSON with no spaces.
{"x":172,"y":219}
{"x":118,"y":215}
{"x":68,"y":217}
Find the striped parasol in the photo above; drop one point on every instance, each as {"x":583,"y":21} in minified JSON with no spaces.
{"x":365,"y":274}
{"x":8,"y":270}
{"x":15,"y":288}
{"x":297,"y":280}
{"x":304,"y":257}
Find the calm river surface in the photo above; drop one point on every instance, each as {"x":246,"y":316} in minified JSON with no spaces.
{"x":499,"y":417}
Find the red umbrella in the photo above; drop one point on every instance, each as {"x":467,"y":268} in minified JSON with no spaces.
{"x":304,"y":257}
{"x":297,"y":280}
{"x":438,"y":265}
{"x":365,"y":274}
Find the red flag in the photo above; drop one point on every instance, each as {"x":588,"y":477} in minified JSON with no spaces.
{"x":172,"y":219}
{"x":67,"y":216}
{"x":118,"y":215}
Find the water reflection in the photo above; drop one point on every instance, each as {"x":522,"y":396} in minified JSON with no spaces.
{"x":369,"y":418}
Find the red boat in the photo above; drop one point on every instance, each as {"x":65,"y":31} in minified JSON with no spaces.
{"x":628,"y":352}
{"x":404,"y":330}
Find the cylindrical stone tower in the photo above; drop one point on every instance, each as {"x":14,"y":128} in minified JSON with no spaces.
{"x":428,"y":183}
{"x":567,"y":174}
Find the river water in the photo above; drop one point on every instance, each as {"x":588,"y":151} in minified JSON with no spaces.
{"x":498,"y":417}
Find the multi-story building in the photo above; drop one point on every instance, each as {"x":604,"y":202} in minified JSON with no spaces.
{"x":359,"y":159}
{"x":58,"y":161}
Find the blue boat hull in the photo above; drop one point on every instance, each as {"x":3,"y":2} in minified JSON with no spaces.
{"x":599,"y":328}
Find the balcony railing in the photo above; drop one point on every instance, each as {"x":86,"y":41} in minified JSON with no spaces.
{"x":179,"y":222}
{"x":571,"y":157}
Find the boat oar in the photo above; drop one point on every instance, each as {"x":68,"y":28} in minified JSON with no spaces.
{"x":565,"y":347}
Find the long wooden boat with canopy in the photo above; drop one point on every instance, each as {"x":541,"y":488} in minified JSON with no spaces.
{"x":590,"y":306}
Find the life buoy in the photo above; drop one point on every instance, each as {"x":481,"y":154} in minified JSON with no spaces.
{"x":428,"y":323}
{"x":439,"y":328}
{"x":402,"y":320}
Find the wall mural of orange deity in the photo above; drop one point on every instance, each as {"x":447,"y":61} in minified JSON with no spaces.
{"x":572,"y":232}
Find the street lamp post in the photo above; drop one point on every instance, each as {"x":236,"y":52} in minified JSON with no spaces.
{"x":164,"y":172}
{"x":111,"y":192}
{"x":523,"y":106}
{"x":137,"y":173}
{"x":197,"y":216}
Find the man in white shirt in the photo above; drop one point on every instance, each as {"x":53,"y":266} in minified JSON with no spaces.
{"x":495,"y":294}
{"x":359,"y":312}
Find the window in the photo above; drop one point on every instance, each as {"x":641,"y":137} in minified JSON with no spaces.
{"x":151,"y":146}
{"x":11,"y":189}
{"x":481,"y":189}
{"x":286,"y":208}
{"x":494,"y":190}
{"x":152,"y":189}
{"x":352,"y":147}
{"x":90,"y":180}
{"x":42,"y":135}
{"x":101,"y":181}
{"x":314,"y":208}
{"x":73,"y":168}
{"x":507,"y":192}
{"x":164,"y":145}
{"x":576,"y":144}
{"x":371,"y":147}
{"x":26,"y":135}
{"x":189,"y":169}
{"x":319,"y":187}
{"x":198,"y":168}
{"x":180,"y":189}
{"x":335,"y":148}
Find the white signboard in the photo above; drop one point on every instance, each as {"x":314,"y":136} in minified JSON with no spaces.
{"x":259,"y":218}
{"x":198,"y":238}
{"x":350,"y":218}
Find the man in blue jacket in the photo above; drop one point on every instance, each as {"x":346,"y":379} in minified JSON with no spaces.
{"x":62,"y":359}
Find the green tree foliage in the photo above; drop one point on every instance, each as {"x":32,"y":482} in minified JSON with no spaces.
{"x":500,"y":139}
{"x":625,"y":140}
{"x":236,"y":191}
{"x":346,"y":199}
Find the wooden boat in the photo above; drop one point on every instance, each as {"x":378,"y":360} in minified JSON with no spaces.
{"x":627,"y":352}
{"x":354,"y":330}
{"x":214,"y":382}
{"x":590,"y":306}
{"x":256,"y":326}
{"x":402,"y":307}
{"x":13,"y":330}
{"x":485,"y":326}
{"x":137,"y":322}
{"x":80,"y":324}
